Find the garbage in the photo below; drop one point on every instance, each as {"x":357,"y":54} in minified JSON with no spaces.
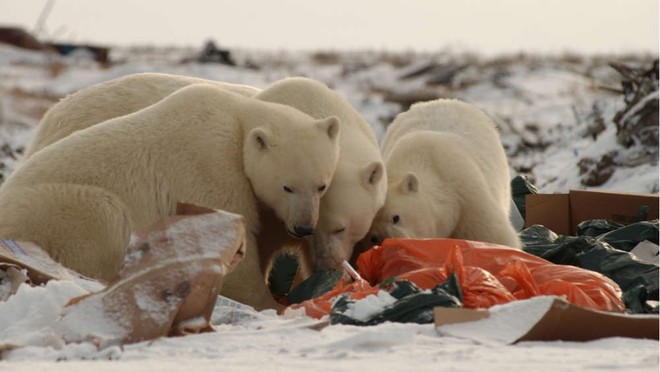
{"x":411,"y":304}
{"x":544,"y":318}
{"x":488,"y":275}
{"x":638,"y":279}
{"x":168,"y":285}
{"x":562,"y":213}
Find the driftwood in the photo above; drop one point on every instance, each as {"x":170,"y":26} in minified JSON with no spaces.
{"x":18,"y":37}
{"x":406,"y":99}
{"x":437,"y":74}
{"x":637,"y":122}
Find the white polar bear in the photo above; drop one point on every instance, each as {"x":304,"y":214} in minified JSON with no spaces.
{"x":82,"y":196}
{"x":358,"y":188}
{"x":448,"y":176}
{"x":111,"y":99}
{"x":359,"y":185}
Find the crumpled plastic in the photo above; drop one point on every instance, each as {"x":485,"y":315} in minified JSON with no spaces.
{"x":413,"y":305}
{"x":606,"y":252}
{"x":488,"y":274}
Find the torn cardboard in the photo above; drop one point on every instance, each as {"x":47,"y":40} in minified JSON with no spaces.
{"x":168,"y":285}
{"x":561,"y":213}
{"x":543,"y":318}
{"x":39,"y":267}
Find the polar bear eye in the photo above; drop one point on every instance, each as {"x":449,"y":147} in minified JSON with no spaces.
{"x":340,"y":230}
{"x":395,"y":219}
{"x":321,"y":188}
{"x":288,"y":189}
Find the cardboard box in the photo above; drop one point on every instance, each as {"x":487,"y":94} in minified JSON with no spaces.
{"x":562,"y":213}
{"x":543,"y":318}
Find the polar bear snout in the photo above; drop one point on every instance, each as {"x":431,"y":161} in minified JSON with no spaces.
{"x":325,"y":259}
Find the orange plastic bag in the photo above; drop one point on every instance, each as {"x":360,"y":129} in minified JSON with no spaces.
{"x":320,"y":306}
{"x":489,"y":274}
{"x":581,"y":287}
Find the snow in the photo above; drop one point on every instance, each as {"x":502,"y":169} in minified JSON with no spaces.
{"x":266,"y":341}
{"x":542,"y":106}
{"x":366,"y":308}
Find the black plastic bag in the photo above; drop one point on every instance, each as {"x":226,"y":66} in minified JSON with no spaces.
{"x":317,"y":284}
{"x":412,"y":306}
{"x":638,"y":280}
{"x":520,"y":186}
{"x":619,"y":236}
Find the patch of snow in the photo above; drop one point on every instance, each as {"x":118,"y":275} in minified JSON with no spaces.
{"x":365,"y":308}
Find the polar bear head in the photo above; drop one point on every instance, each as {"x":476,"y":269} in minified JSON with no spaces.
{"x":290,"y":166}
{"x":414,"y":209}
{"x":347,"y":209}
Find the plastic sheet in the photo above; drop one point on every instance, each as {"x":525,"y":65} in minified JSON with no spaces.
{"x":488,"y":274}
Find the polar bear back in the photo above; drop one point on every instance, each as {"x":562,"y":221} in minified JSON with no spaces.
{"x":136,"y":149}
{"x":319,"y":101}
{"x":151,"y":155}
{"x":111,"y":99}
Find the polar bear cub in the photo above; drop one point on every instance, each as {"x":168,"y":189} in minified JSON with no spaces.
{"x":448,"y":176}
{"x":359,"y":185}
{"x":111,"y":99}
{"x":81,"y":197}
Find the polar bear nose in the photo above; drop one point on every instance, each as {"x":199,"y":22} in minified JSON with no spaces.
{"x":303,"y":231}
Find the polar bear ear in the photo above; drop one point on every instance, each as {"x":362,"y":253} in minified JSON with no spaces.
{"x":260,"y":138}
{"x":410,"y":183}
{"x":331,"y":126}
{"x":373,"y":173}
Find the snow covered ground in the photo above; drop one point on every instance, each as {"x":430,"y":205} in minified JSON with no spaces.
{"x":544,"y":107}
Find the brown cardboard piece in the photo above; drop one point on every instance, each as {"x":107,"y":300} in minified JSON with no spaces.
{"x":38,"y":264}
{"x":562,"y":213}
{"x":557,"y":320}
{"x":168,"y":285}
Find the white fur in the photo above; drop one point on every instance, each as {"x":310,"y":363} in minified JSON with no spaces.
{"x":358,"y":188}
{"x":82,"y":196}
{"x":111,"y":99}
{"x":359,"y":185}
{"x":448,"y":176}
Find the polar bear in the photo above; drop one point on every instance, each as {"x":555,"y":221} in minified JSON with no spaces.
{"x":448,"y":176}
{"x":348,"y":207}
{"x":359,"y":185}
{"x":81,"y":197}
{"x":111,"y":99}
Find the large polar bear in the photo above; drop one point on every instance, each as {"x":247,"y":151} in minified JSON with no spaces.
{"x":111,"y":99}
{"x":359,"y":185}
{"x":82,"y":196}
{"x":448,"y":176}
{"x":355,"y":195}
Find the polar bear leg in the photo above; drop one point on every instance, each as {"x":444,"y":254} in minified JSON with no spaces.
{"x":85,"y":228}
{"x":247,"y":284}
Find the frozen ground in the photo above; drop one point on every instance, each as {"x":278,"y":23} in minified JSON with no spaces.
{"x":544,"y":107}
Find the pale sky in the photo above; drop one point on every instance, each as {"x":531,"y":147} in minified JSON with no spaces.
{"x":483,"y":26}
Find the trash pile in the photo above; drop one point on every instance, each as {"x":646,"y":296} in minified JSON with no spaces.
{"x":636,"y":126}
